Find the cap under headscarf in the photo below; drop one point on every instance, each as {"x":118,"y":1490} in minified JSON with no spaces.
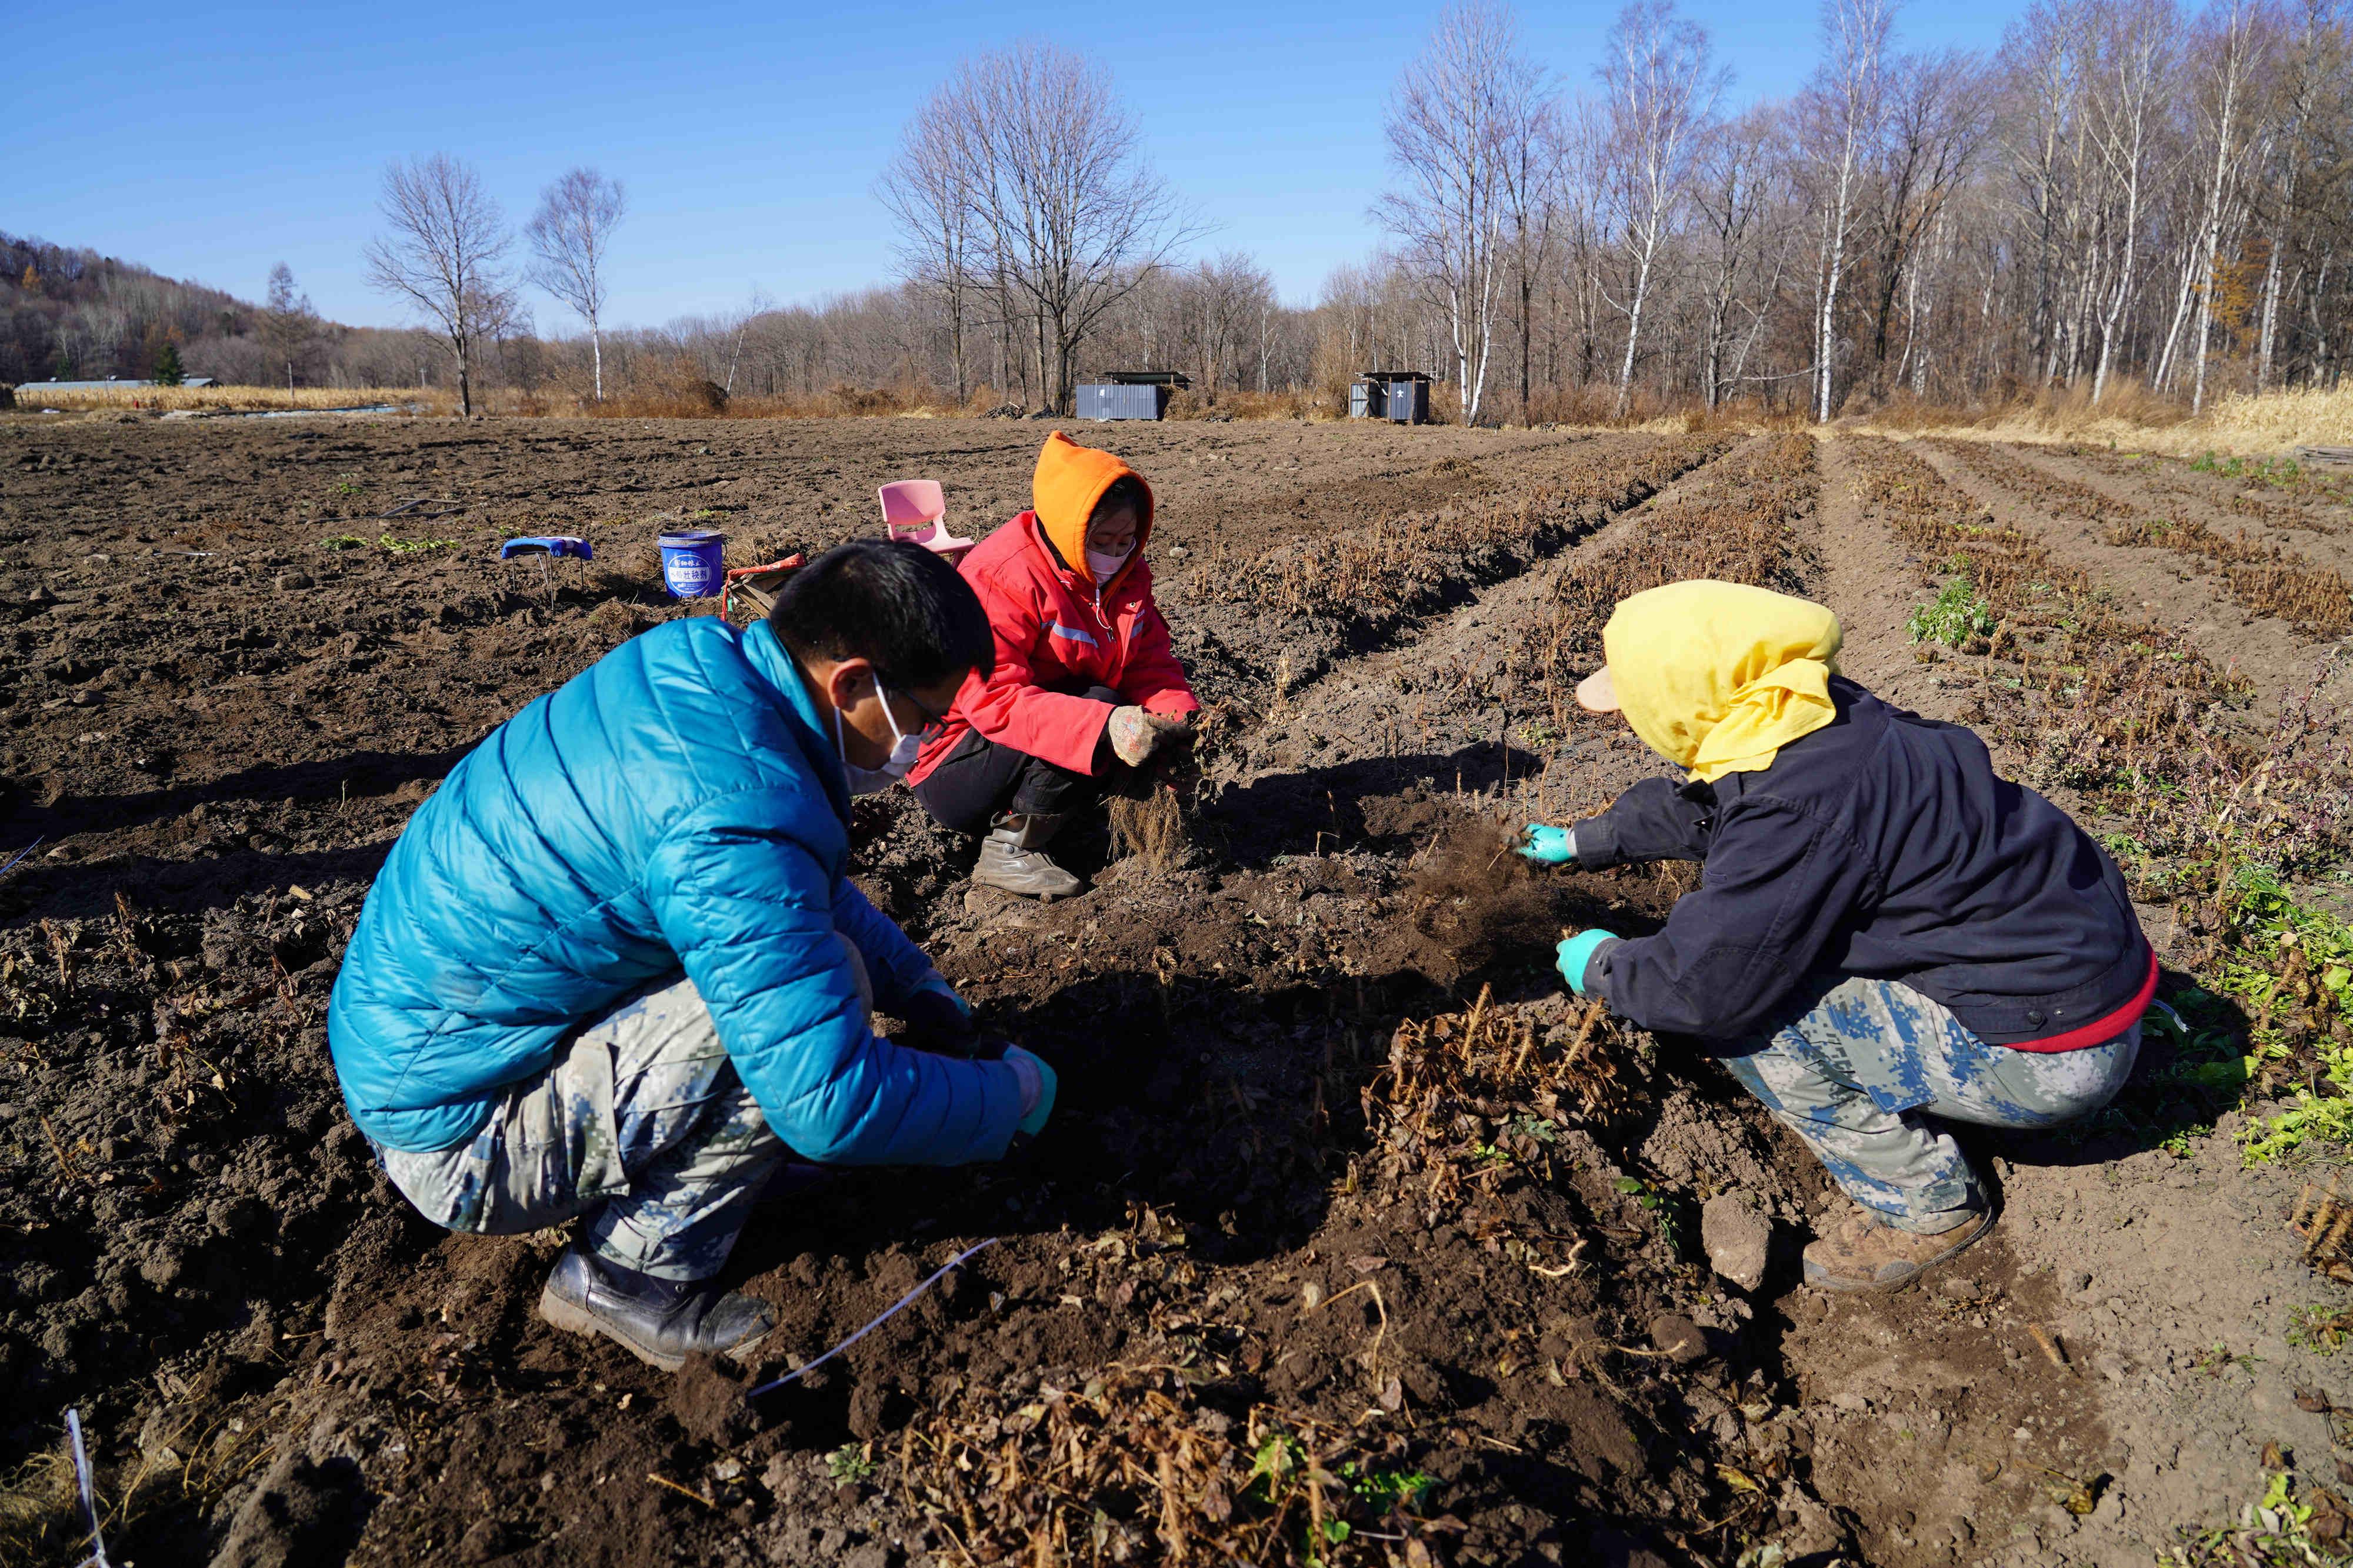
{"x":1070,"y":480}
{"x":1717,"y":677}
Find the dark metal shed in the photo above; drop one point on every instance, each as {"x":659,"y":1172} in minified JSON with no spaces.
{"x":1130,"y":393}
{"x":1400,"y":396}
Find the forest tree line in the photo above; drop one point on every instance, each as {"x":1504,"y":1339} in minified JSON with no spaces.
{"x":2127,"y":196}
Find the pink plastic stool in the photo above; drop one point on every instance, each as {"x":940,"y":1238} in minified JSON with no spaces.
{"x":915,"y":513}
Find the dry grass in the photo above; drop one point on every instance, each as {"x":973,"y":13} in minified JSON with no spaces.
{"x":229,"y":399}
{"x":2265,"y":425}
{"x":2278,"y":421}
{"x":41,"y":1521}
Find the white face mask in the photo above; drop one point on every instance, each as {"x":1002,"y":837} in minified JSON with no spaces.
{"x":1104,"y":565}
{"x":904,"y":747}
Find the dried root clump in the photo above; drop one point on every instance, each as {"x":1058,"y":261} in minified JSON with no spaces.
{"x":1467,"y":1099}
{"x":1151,"y":829}
{"x":2325,"y":1220}
{"x":1133,"y":1469}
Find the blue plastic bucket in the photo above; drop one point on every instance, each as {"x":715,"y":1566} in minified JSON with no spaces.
{"x":691,"y":567}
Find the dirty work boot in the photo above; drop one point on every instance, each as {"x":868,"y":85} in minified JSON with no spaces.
{"x":1864,"y":1252}
{"x":659,"y":1322}
{"x":1013,"y":857}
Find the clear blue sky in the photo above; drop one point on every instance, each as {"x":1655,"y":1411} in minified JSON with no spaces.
{"x":210,"y":141}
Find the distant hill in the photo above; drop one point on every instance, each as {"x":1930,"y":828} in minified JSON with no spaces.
{"x":73,"y":313}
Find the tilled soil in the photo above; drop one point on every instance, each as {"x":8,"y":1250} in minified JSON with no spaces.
{"x":216,"y":726}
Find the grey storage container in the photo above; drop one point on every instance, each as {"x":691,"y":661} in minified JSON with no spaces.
{"x":1114,"y":400}
{"x":1129,"y":394}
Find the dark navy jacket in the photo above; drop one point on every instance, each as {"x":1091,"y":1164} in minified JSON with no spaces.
{"x":1883,"y":844}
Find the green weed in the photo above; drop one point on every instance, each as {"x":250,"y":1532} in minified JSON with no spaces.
{"x":1957,"y":616}
{"x":2291,"y":970}
{"x":2320,"y":1328}
{"x":1385,"y":1491}
{"x":1664,"y":1212}
{"x":414,"y":546}
{"x":349,"y":484}
{"x":343,"y":541}
{"x":2276,"y":1532}
{"x":850,"y":1463}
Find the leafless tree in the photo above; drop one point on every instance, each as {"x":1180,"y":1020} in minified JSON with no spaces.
{"x":2133,"y":70}
{"x":1735,"y":187}
{"x":1457,"y":120}
{"x":932,"y":189}
{"x":2225,"y":112}
{"x":1933,"y":131}
{"x":1662,"y":91}
{"x":1068,"y":218}
{"x":288,"y":321}
{"x":567,"y":235}
{"x":1229,"y":297}
{"x":442,"y":254}
{"x":1843,"y":111}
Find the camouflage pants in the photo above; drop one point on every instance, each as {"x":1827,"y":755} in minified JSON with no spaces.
{"x":640,"y":1124}
{"x":1868,"y":1071}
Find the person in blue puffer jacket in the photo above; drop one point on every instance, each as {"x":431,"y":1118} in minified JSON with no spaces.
{"x":615,"y":968}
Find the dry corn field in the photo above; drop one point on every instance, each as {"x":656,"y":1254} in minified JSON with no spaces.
{"x":1355,"y":1241}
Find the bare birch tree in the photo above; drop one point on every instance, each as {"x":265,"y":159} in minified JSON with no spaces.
{"x":1460,"y":110}
{"x":1843,"y":109}
{"x":1661,"y":99}
{"x":2224,"y":113}
{"x":2133,"y":69}
{"x":446,"y":240}
{"x":567,"y":235}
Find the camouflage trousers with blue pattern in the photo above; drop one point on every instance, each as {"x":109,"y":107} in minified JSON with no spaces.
{"x":640,"y":1124}
{"x":1866,"y":1073}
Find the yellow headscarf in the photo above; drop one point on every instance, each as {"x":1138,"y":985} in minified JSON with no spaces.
{"x":1718,"y":676}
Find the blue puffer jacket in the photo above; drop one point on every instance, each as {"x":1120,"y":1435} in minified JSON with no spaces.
{"x":675,"y":806}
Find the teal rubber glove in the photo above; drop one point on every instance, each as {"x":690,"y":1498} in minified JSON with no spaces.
{"x":1577,"y":952}
{"x":1548,"y":846}
{"x":1037,"y":1088}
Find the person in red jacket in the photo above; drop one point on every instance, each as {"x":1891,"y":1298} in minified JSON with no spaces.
{"x":1085,"y":687}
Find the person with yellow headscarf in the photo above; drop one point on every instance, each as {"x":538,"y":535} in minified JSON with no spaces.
{"x":1887,"y":936}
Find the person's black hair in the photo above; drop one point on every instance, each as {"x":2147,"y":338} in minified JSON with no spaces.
{"x":899,"y":607}
{"x":1127,"y":491}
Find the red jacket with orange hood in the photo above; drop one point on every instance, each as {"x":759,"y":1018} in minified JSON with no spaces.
{"x":1057,"y":633}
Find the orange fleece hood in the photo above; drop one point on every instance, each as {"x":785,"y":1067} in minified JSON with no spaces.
{"x":1070,"y":480}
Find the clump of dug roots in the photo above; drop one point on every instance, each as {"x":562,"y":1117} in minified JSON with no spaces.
{"x":1140,"y":1465}
{"x":1465,"y":1096}
{"x":1150,"y":827}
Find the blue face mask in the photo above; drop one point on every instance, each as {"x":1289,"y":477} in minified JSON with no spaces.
{"x":904,"y":747}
